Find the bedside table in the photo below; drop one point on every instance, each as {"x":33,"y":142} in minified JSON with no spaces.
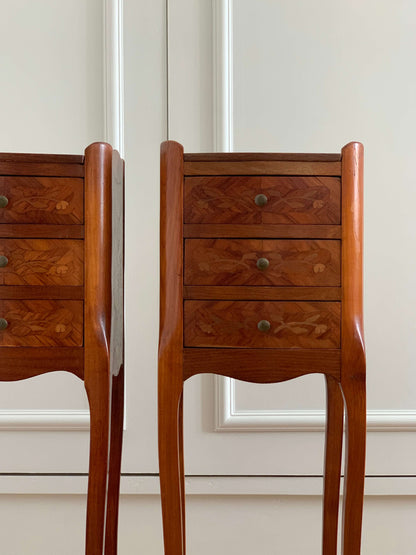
{"x":61,"y":298}
{"x":261,"y":280}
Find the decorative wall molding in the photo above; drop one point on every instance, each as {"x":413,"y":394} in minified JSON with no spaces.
{"x":228,"y":419}
{"x":223,"y":75}
{"x":114,"y":74}
{"x":44,"y":420}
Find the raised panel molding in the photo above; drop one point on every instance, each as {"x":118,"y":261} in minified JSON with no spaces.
{"x":113,"y":86}
{"x":227,"y":419}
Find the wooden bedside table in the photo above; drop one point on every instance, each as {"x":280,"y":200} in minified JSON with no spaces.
{"x":61,"y":298}
{"x":261,"y":280}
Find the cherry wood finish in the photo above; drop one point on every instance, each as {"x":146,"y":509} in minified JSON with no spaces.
{"x":302,"y":313}
{"x":42,"y":262}
{"x":55,"y":200}
{"x":239,"y":262}
{"x":235,"y":324}
{"x":61,"y":293}
{"x":289,"y":200}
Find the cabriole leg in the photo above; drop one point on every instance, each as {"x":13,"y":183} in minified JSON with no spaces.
{"x":333,"y":453}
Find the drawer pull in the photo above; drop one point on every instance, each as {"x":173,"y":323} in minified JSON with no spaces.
{"x":3,"y":261}
{"x":4,"y":201}
{"x":3,"y":324}
{"x":261,"y":200}
{"x":263,"y":325}
{"x":262,"y":263}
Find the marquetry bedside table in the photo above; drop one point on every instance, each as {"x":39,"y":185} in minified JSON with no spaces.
{"x":261,"y":280}
{"x":61,"y":298}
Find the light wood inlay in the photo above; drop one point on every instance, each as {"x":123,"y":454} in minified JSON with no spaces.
{"x":42,"y":323}
{"x":42,"y":262}
{"x":234,"y":262}
{"x":290,"y":200}
{"x":307,"y":325}
{"x":47,"y":200}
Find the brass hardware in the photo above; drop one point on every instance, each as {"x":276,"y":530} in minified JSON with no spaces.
{"x":261,"y":200}
{"x":262,"y":263}
{"x":263,"y":325}
{"x":3,"y":261}
{"x":3,"y":324}
{"x":4,"y":201}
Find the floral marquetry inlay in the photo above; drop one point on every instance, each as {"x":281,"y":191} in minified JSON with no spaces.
{"x":305,"y":325}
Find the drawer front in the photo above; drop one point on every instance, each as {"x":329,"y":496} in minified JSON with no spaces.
{"x":257,"y":324}
{"x":46,"y":200}
{"x":259,"y":262}
{"x":282,"y":200}
{"x":41,"y":323}
{"x":41,"y":262}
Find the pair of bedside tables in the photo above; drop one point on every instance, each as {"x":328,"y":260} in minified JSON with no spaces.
{"x":261,"y":280}
{"x":61,"y":298}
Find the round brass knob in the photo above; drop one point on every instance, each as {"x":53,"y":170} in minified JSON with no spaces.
{"x":3,"y":261}
{"x":4,"y":201}
{"x":3,"y":324}
{"x":263,"y":325}
{"x":262,"y":263}
{"x":261,"y":200}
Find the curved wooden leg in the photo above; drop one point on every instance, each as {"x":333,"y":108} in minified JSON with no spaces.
{"x":355,"y":436}
{"x":99,"y":400}
{"x":333,"y":454}
{"x":114,"y":463}
{"x":182,"y":471}
{"x":171,"y":467}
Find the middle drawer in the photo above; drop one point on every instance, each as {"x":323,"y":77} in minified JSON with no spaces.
{"x":41,"y":262}
{"x":280,"y":262}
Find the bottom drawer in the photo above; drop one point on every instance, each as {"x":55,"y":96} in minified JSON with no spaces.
{"x":46,"y":323}
{"x":262,"y":324}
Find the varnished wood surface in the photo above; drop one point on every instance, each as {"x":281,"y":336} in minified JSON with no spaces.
{"x":46,"y":323}
{"x":41,"y":169}
{"x":33,"y":292}
{"x":170,"y":378}
{"x":264,"y":293}
{"x":26,"y":362}
{"x":234,"y":262}
{"x":231,"y":324}
{"x":41,"y":158}
{"x":42,"y":231}
{"x":261,"y":167}
{"x":46,"y":200}
{"x":260,"y":365}
{"x":290,"y":200}
{"x":266,"y":231}
{"x":42,"y":262}
{"x":255,"y":156}
{"x":353,"y":368}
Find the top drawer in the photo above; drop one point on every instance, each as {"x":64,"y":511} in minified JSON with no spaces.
{"x":41,"y":200}
{"x":262,"y":200}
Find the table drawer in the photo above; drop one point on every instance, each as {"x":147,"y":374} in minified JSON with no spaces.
{"x":262,"y":200}
{"x":260,"y":262}
{"x":41,"y":323}
{"x":41,"y":262}
{"x":262,"y":324}
{"x":46,"y":200}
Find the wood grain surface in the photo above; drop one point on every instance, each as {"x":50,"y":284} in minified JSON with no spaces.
{"x":265,"y":231}
{"x":41,"y":168}
{"x":263,"y":293}
{"x":290,"y":200}
{"x":305,"y":325}
{"x":235,"y":262}
{"x":42,"y":262}
{"x":261,"y":365}
{"x":262,"y":167}
{"x":255,"y":156}
{"x":42,"y":230}
{"x":46,"y":323}
{"x":46,"y":200}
